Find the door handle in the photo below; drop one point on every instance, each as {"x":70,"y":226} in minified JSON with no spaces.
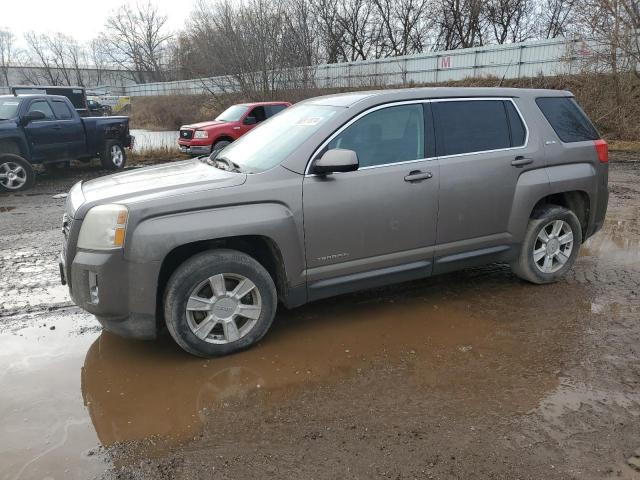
{"x":521,"y":161}
{"x":417,"y":175}
{"x":56,"y":127}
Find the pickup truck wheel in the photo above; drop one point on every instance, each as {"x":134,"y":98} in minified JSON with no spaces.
{"x":219,"y":302}
{"x":114,"y":156}
{"x":550,"y":245}
{"x":16,"y":173}
{"x":219,"y":145}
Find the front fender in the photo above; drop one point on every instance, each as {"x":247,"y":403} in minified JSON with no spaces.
{"x":15,"y":144}
{"x":154,"y":238}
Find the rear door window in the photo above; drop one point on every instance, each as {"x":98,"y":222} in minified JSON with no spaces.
{"x":61,"y":110}
{"x":468,"y":126}
{"x":567,"y":119}
{"x":273,"y":109}
{"x":42,"y":106}
{"x":518,"y":131}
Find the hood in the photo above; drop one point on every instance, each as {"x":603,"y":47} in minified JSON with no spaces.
{"x":201,"y":125}
{"x":159,"y":181}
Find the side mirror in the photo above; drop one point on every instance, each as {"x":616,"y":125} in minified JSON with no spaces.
{"x":250,"y":121}
{"x":336,"y":160}
{"x":33,"y":117}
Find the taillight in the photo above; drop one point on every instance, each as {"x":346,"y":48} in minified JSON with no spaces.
{"x":602,"y":148}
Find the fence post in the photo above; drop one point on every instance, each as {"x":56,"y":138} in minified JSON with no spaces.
{"x":520,"y":61}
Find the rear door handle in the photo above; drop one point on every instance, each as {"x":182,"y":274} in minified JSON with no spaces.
{"x":417,"y":175}
{"x":521,"y":161}
{"x":56,"y":127}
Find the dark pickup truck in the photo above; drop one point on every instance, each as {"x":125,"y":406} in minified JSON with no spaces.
{"x":46,"y":129}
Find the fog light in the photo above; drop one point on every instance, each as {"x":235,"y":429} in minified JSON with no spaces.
{"x":94,"y":295}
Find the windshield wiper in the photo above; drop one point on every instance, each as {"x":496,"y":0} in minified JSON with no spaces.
{"x":229,"y":165}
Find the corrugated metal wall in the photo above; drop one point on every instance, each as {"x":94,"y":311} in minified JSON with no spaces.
{"x":527,"y":59}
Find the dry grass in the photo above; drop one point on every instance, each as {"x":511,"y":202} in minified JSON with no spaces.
{"x":616,"y":116}
{"x":155,"y":155}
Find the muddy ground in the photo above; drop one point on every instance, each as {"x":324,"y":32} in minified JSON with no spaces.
{"x":469,"y":375}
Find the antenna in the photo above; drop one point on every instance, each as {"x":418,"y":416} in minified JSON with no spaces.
{"x":505,"y":73}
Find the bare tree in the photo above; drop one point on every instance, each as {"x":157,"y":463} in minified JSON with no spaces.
{"x":7,"y":54}
{"x":461,"y":24}
{"x":510,"y":20}
{"x":136,"y":39}
{"x":555,"y":17}
{"x":405,"y":25}
{"x":330,"y":30}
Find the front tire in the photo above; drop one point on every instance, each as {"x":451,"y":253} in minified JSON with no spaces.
{"x":219,"y":302}
{"x":219,"y":145}
{"x":16,"y":174}
{"x":114,"y":156}
{"x":550,"y":246}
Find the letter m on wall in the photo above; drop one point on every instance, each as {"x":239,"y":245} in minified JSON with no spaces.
{"x":445,"y":62}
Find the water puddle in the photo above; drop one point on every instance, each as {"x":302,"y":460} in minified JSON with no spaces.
{"x":68,"y":390}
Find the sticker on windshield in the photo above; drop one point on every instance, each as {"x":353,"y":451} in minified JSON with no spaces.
{"x":309,"y":121}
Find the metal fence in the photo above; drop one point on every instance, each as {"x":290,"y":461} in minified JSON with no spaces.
{"x":515,"y":60}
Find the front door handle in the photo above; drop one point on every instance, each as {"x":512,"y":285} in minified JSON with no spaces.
{"x":417,"y":175}
{"x":521,"y":161}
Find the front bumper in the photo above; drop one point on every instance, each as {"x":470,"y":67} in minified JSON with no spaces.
{"x":195,"y":149}
{"x":121,"y":294}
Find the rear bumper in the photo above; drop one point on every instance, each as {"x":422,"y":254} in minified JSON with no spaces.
{"x":121,"y":294}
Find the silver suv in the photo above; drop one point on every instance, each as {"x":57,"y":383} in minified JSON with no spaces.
{"x":336,"y":194}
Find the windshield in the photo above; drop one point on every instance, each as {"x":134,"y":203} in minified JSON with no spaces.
{"x":269,"y":144}
{"x":232,"y":114}
{"x":8,"y":108}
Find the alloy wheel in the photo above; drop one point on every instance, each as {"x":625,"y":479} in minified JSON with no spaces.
{"x":12,"y":176}
{"x":224,"y":308}
{"x":553,"y":246}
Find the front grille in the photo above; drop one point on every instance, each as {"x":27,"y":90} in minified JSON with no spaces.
{"x":186,"y":134}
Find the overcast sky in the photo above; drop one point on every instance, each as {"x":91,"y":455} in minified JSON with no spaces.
{"x":82,"y":19}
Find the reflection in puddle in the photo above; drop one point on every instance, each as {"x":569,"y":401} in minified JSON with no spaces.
{"x":487,"y":345}
{"x":45,"y":430}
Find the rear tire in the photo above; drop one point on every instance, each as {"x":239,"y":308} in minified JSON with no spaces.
{"x":550,"y":245}
{"x":16,"y":174}
{"x":114,"y":156}
{"x":219,"y":302}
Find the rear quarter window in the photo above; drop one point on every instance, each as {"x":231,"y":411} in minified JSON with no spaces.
{"x":567,"y":119}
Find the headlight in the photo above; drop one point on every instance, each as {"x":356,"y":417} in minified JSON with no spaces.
{"x":104,"y":228}
{"x":201,"y":134}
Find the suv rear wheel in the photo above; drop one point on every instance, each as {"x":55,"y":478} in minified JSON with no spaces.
{"x":550,"y":245}
{"x":16,"y":173}
{"x":219,"y":302}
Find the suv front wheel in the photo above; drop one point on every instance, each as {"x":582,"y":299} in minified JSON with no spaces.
{"x":219,"y":302}
{"x":550,"y":246}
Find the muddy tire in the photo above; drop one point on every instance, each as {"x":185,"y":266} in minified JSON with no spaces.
{"x":219,"y":302}
{"x":16,"y":174}
{"x":219,"y":145}
{"x":113,"y":156}
{"x":550,"y":246}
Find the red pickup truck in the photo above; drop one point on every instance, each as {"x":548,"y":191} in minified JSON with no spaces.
{"x":206,"y":137}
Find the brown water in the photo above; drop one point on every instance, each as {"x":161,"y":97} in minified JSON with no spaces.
{"x":65,"y":391}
